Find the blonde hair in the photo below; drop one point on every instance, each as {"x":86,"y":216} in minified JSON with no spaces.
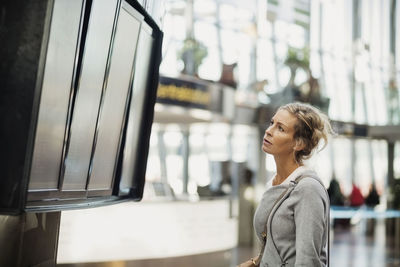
{"x":312,"y":126}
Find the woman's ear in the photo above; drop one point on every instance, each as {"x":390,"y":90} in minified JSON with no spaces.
{"x":299,"y":145}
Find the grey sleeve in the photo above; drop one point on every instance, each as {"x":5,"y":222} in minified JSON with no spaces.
{"x":311,"y":222}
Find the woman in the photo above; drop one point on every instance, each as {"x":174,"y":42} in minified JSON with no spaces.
{"x":294,"y":210}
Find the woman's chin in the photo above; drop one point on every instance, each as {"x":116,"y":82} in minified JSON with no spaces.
{"x":266,"y":150}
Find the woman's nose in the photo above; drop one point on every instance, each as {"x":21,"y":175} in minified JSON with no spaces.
{"x":268,"y":131}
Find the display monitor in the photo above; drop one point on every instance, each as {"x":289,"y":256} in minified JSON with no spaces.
{"x":91,"y":107}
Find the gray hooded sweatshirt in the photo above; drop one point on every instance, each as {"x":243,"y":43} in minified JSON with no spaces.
{"x":298,"y":225}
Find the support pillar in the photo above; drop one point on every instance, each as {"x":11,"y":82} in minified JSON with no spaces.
{"x":30,"y":239}
{"x":390,"y":173}
{"x":390,"y":222}
{"x":185,"y":157}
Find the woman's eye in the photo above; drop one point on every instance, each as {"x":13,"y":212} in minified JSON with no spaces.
{"x":271,"y":122}
{"x":281,"y":129}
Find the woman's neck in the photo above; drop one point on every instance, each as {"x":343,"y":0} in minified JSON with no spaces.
{"x":283,"y":169}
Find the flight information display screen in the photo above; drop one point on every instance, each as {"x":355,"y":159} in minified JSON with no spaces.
{"x":97,"y":83}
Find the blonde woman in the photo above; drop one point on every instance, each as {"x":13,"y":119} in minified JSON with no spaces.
{"x":292,"y":219}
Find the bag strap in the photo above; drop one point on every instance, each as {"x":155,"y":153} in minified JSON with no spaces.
{"x":311,"y":175}
{"x":257,"y":261}
{"x":264,"y":233}
{"x":328,"y":214}
{"x":295,"y":182}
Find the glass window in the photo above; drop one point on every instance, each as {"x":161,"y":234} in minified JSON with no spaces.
{"x":380,"y":96}
{"x":241,"y":138}
{"x":321,"y":162}
{"x":337,"y":87}
{"x":396,"y":162}
{"x":232,"y":17}
{"x":380,"y":163}
{"x":176,"y":22}
{"x":370,"y":95}
{"x":153,"y":170}
{"x":244,"y":50}
{"x":264,"y":26}
{"x":170,"y":64}
{"x":217,"y":142}
{"x":198,"y":161}
{"x":359,"y":112}
{"x":363,"y":168}
{"x":342,"y":163}
{"x":229,"y":43}
{"x":296,"y":36}
{"x":315,"y":65}
{"x":366,"y":23}
{"x":266,"y":66}
{"x":211,"y":67}
{"x":385,"y":32}
{"x":343,"y":86}
{"x":205,"y":10}
{"x":397,"y":39}
{"x":173,"y":141}
{"x":206,"y":33}
{"x":376,"y":31}
{"x":333,"y":26}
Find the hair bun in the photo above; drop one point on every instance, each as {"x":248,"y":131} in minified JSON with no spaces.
{"x":312,"y":126}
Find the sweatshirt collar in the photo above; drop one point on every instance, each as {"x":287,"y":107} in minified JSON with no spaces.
{"x":296,"y":173}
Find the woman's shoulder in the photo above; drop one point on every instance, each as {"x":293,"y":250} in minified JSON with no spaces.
{"x":311,"y":180}
{"x":310,"y":185}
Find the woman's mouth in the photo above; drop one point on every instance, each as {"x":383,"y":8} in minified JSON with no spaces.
{"x":267,"y":142}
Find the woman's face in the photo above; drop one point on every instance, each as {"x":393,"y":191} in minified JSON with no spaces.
{"x":278,"y":138}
